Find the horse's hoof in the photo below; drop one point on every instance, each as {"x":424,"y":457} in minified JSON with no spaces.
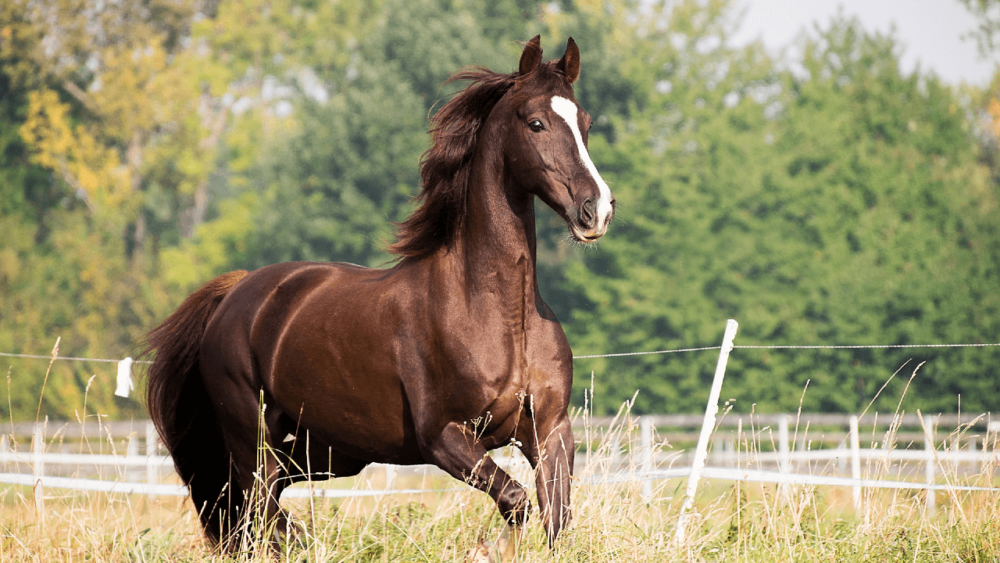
{"x":480,"y":553}
{"x":288,"y":533}
{"x":505,"y":552}
{"x":501,"y":551}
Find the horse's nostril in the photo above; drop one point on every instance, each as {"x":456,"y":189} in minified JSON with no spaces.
{"x":588,"y":213}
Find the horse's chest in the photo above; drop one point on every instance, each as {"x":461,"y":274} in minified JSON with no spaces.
{"x":492,"y":354}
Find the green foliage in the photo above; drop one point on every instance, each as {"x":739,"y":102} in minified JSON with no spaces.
{"x":842,"y":202}
{"x":841,"y":206}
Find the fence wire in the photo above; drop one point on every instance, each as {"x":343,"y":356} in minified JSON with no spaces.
{"x":68,"y":358}
{"x":791,"y":347}
{"x":614,"y":355}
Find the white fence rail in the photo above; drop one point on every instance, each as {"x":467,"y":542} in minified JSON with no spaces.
{"x":725,"y":461}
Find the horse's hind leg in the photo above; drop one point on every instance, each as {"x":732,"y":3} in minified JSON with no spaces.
{"x":306,"y":458}
{"x":249,"y":429}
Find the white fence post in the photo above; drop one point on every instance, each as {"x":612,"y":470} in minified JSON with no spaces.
{"x":990,"y":446}
{"x":954,"y":463}
{"x":784,"y":456}
{"x":711,"y":409}
{"x":730,"y":449}
{"x":972,"y":451}
{"x":855,"y":462}
{"x":152,"y":442}
{"x":4,"y":450}
{"x":614,"y":442}
{"x":38,"y":466}
{"x":800,"y":447}
{"x":390,"y":476}
{"x":131,"y":452}
{"x":646,"y":430}
{"x":929,"y":467}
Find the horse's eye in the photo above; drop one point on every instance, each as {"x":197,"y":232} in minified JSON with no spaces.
{"x":536,"y":125}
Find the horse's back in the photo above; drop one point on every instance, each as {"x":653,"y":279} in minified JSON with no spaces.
{"x":255,"y":305}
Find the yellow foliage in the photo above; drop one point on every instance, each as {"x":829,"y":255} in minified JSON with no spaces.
{"x":91,"y":168}
{"x":994,"y":111}
{"x":123,"y":100}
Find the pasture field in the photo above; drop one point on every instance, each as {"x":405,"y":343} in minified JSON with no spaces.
{"x":612,"y":522}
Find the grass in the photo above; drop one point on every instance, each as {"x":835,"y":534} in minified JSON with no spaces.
{"x":612,"y":522}
{"x":731,"y":522}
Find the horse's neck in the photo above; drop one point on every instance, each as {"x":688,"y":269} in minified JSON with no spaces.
{"x":497,"y":240}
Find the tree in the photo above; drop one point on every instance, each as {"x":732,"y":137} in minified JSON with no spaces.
{"x":342,"y":168}
{"x":842,"y":207}
{"x":148,"y":146}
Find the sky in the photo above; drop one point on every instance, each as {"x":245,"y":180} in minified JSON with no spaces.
{"x":930,"y":31}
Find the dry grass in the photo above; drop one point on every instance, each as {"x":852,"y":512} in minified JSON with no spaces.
{"x":612,"y":522}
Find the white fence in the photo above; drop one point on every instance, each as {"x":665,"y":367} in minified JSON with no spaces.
{"x":977,"y":447}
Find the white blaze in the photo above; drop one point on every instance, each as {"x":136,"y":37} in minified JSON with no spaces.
{"x":567,"y":109}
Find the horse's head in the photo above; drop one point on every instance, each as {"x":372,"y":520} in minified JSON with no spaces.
{"x":546,"y":146}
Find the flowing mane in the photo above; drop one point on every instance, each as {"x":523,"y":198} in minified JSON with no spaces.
{"x":445,"y":167}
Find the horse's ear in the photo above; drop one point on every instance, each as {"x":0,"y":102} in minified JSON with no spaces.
{"x":569,"y":64}
{"x":531,"y":57}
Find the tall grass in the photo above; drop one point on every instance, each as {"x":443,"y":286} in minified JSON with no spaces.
{"x":612,"y":521}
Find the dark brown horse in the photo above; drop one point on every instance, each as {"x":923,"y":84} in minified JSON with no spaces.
{"x":448,"y":354}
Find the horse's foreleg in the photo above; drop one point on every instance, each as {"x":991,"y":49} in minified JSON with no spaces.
{"x":458,"y":453}
{"x":552,"y":458}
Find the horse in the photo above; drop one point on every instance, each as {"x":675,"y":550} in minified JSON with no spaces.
{"x":313,"y":370}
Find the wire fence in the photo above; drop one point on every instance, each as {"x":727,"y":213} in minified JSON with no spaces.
{"x":608,"y":355}
{"x":68,"y":358}
{"x":791,"y":347}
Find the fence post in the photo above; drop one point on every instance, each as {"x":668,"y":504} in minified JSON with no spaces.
{"x":855,"y":462}
{"x":38,"y":466}
{"x":646,"y":430}
{"x":131,"y":452}
{"x":929,"y":467}
{"x":152,"y":471}
{"x":711,"y":409}
{"x":953,"y":461}
{"x":989,"y":446}
{"x":4,"y":450}
{"x":800,"y":447}
{"x":784,"y":457}
{"x":614,"y":443}
{"x":972,"y":450}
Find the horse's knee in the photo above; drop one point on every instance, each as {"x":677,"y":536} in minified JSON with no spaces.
{"x":514,"y":504}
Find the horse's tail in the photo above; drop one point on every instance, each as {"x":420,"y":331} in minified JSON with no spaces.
{"x":183,"y":413}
